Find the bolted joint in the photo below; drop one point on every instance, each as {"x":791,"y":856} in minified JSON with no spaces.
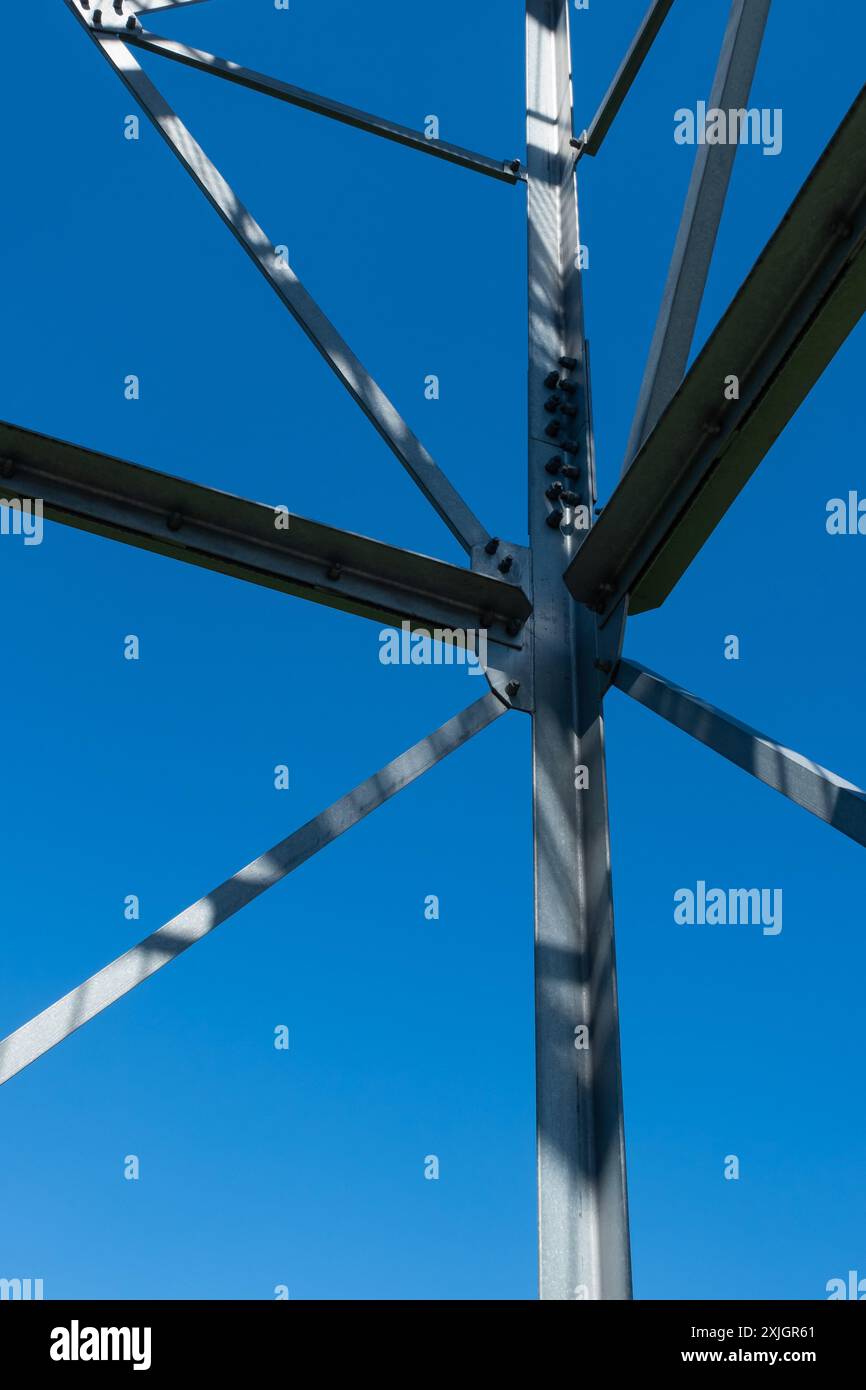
{"x":174,"y":521}
{"x":569,"y":387}
{"x":492,"y":546}
{"x":513,"y":626}
{"x":570,"y":446}
{"x":551,"y":404}
{"x":505,"y":564}
{"x":570,"y":410}
{"x":571,"y":499}
{"x":551,"y":381}
{"x":570,"y":470}
{"x":512,"y":688}
{"x":553,"y":465}
{"x":554,"y":518}
{"x":553,"y":429}
{"x":335,"y":570}
{"x":554,"y":492}
{"x":569,"y":363}
{"x":600,"y":597}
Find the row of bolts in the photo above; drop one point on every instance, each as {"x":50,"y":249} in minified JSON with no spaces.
{"x":131,"y":22}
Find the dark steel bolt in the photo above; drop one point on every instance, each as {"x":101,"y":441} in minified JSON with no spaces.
{"x":551,"y":404}
{"x":97,"y":16}
{"x":514,"y":166}
{"x":553,"y":465}
{"x":570,"y":499}
{"x":335,"y":570}
{"x":512,"y":688}
{"x":568,"y":386}
{"x":602,"y":594}
{"x":132,"y":22}
{"x":570,"y":446}
{"x":551,"y":381}
{"x":492,"y":546}
{"x":569,"y":471}
{"x":505,"y":564}
{"x":174,"y":522}
{"x":554,"y":492}
{"x":118,"y":6}
{"x":555,"y":517}
{"x":513,"y":626}
{"x":570,"y":410}
{"x":85,"y":4}
{"x":553,"y":429}
{"x":569,"y":363}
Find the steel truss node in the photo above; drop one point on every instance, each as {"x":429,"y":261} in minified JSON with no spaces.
{"x":555,"y":612}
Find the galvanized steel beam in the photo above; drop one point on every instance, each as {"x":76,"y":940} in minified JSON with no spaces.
{"x":699,"y":225}
{"x":262,"y":544}
{"x":507,"y":171}
{"x":804,"y":295}
{"x":366,"y":393}
{"x":583,"y":1218}
{"x":590,"y":141}
{"x":108,"y":985}
{"x":822,"y":793}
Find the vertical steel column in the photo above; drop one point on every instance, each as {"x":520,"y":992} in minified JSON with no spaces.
{"x":583,"y":1218}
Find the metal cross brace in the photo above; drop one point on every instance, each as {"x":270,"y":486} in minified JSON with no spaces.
{"x":555,"y":611}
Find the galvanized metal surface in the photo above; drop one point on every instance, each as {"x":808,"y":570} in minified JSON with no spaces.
{"x":501,"y":169}
{"x":366,"y":393}
{"x":804,"y":295}
{"x":811,"y":786}
{"x":591,"y":140}
{"x":583,"y":1218}
{"x":800,"y":301}
{"x":108,"y":985}
{"x":215,"y":530}
{"x":699,"y":225}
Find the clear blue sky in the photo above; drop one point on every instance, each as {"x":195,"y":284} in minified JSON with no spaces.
{"x":408,"y":1037}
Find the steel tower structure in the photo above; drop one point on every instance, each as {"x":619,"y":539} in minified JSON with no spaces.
{"x":555,"y":610}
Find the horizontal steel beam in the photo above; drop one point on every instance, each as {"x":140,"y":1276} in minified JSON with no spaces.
{"x":353,"y":375}
{"x":507,"y":171}
{"x":217,"y":531}
{"x":803,"y":297}
{"x":108,"y":985}
{"x":830,"y":798}
{"x":591,"y":140}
